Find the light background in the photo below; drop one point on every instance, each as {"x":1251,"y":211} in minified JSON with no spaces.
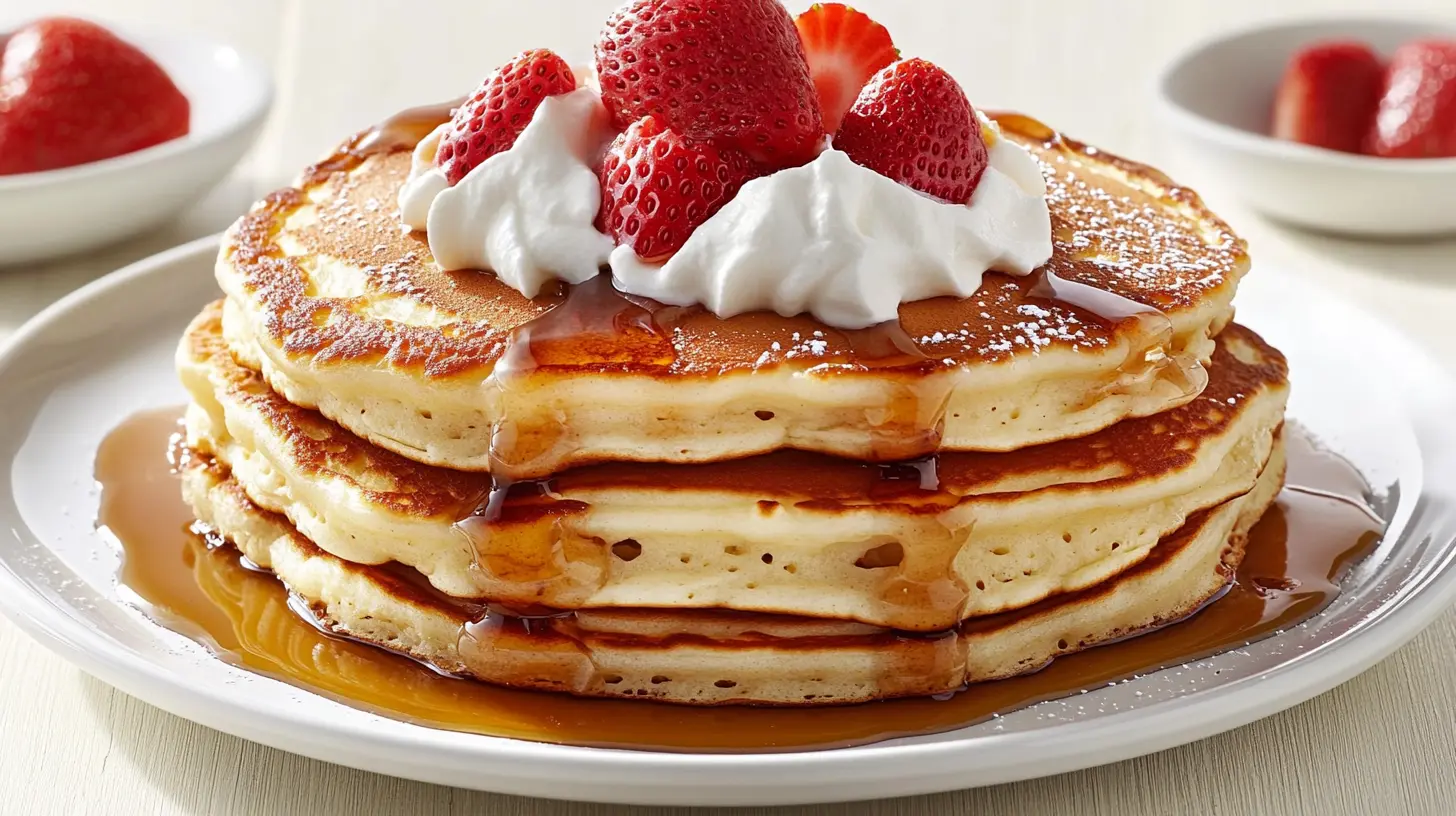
{"x":1383,"y":743}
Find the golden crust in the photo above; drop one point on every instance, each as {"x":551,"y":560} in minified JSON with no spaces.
{"x":1145,"y":449}
{"x":397,"y":484}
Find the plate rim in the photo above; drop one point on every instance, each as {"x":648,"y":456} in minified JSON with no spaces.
{"x":631,"y":776}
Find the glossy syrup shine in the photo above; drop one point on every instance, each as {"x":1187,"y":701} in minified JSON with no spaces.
{"x":593,"y":325}
{"x":202,"y":589}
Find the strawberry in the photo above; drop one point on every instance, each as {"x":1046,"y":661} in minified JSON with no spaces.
{"x":844,"y":48}
{"x":1328,"y":96}
{"x":492,"y":118}
{"x":913,"y":123}
{"x":1417,"y":114}
{"x":727,"y":71}
{"x":72,"y":92}
{"x":658,"y":186}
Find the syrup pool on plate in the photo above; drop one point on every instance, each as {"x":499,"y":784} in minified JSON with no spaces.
{"x":198,"y":586}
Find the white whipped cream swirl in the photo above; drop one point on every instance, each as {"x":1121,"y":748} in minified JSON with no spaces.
{"x":848,"y":245}
{"x":831,"y":239}
{"x":526,"y":213}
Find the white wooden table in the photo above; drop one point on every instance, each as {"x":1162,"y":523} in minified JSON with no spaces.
{"x":1384,"y":743}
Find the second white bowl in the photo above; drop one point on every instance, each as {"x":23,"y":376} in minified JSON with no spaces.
{"x":1216,"y":102}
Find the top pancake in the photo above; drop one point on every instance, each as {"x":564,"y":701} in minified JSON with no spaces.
{"x":344,"y":311}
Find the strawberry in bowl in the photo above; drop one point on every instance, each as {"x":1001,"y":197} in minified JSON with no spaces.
{"x":1341,"y":95}
{"x":1416,"y":118}
{"x":1340,"y":125}
{"x":72,"y":92}
{"x":103,"y":135}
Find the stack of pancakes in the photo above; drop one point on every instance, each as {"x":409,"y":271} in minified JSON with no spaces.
{"x":601,"y":495}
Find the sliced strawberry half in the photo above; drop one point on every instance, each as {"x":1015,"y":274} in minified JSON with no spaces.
{"x":728,"y":71}
{"x":1328,"y":96}
{"x":912,"y":123}
{"x":658,"y":186}
{"x":1417,"y":112}
{"x":492,"y":118}
{"x":844,"y":48}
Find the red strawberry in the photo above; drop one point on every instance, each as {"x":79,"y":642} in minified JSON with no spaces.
{"x":844,"y":48}
{"x":913,"y":123}
{"x":1328,"y":96}
{"x":493,"y":117}
{"x":1417,"y":115}
{"x":71,"y":92}
{"x":729,"y":71}
{"x":658,"y":186}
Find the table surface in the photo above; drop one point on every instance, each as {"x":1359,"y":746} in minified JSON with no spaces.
{"x":1382,"y":743}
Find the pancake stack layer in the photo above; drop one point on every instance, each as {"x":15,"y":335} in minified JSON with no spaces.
{"x":596,"y":494}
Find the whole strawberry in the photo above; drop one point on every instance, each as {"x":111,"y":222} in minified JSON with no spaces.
{"x":72,"y":92}
{"x":912,"y":123}
{"x":1328,"y":95}
{"x":1417,"y":115}
{"x":492,"y":118}
{"x":728,"y":71}
{"x":658,"y":186}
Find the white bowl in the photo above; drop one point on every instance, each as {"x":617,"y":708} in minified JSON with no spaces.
{"x":1216,"y":103}
{"x":59,"y":212}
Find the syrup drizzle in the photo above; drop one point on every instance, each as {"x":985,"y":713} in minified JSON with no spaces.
{"x":593,"y":325}
{"x":1294,"y":562}
{"x":403,"y":130}
{"x":1148,"y":359}
{"x":596,"y":326}
{"x":593,"y":321}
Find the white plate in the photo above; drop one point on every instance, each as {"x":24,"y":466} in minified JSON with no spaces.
{"x":61,"y":212}
{"x":1216,"y":101}
{"x":106,"y":351}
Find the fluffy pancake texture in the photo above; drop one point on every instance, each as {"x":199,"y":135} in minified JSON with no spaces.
{"x":343,"y":312}
{"x":910,"y":546}
{"x":593,"y":493}
{"x":720,"y":658}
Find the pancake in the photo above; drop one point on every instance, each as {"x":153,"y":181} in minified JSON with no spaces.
{"x":916,"y":546}
{"x":344,"y":312}
{"x":723,"y":657}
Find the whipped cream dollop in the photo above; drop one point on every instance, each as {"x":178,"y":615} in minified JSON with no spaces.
{"x":848,"y":245}
{"x":831,"y":238}
{"x":526,"y":213}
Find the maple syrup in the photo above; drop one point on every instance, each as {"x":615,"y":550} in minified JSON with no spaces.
{"x":198,"y":586}
{"x":405,"y":129}
{"x":402,"y":131}
{"x":594,"y":326}
{"x":1147,"y":358}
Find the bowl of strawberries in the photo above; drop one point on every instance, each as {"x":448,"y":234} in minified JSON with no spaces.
{"x":103,"y":134}
{"x":1343,"y":126}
